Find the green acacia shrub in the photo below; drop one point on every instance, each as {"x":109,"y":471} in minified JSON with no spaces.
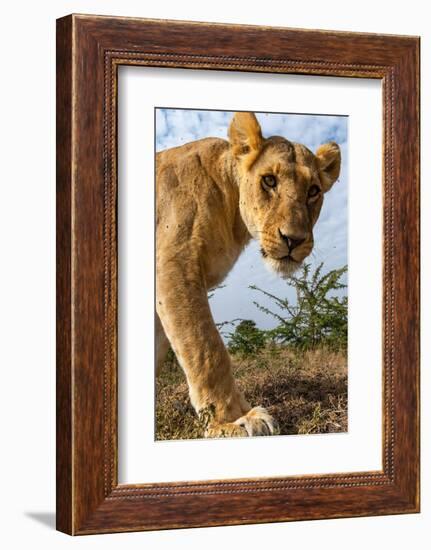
{"x":319,"y":317}
{"x":246,"y":339}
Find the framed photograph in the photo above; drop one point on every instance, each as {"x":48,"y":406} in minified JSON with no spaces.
{"x":237,"y":274}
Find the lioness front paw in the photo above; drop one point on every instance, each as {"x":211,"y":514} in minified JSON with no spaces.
{"x":256,"y":422}
{"x":229,"y":429}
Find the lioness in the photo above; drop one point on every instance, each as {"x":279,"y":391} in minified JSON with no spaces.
{"x":212,"y":197}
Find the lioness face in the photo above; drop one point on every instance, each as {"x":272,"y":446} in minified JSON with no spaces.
{"x":281,"y":190}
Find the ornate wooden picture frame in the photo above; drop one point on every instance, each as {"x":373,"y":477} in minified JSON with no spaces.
{"x":89,"y":51}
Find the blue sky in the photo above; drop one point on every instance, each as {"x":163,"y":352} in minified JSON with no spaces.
{"x":177,"y":126}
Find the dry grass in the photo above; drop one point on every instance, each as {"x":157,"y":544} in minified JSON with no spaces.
{"x":306,"y":392}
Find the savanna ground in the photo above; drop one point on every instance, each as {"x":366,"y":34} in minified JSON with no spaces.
{"x":304,"y":390}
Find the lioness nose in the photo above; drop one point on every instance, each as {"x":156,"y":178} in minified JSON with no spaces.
{"x":292,"y":241}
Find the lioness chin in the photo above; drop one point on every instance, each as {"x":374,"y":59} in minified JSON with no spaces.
{"x":212,"y":197}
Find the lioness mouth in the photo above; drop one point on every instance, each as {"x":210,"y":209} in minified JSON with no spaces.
{"x":288,"y":258}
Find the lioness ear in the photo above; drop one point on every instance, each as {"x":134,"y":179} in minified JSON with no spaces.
{"x":245,"y":135}
{"x":329,"y":161}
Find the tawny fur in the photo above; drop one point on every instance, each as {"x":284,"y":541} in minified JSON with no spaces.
{"x":210,"y":201}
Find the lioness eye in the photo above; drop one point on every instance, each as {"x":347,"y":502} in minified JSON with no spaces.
{"x":269,"y":180}
{"x":313,"y":191}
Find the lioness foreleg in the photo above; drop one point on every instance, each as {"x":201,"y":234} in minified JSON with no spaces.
{"x":189,"y":326}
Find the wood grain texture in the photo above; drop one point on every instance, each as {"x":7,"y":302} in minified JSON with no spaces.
{"x":90,"y":49}
{"x":64,"y":497}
